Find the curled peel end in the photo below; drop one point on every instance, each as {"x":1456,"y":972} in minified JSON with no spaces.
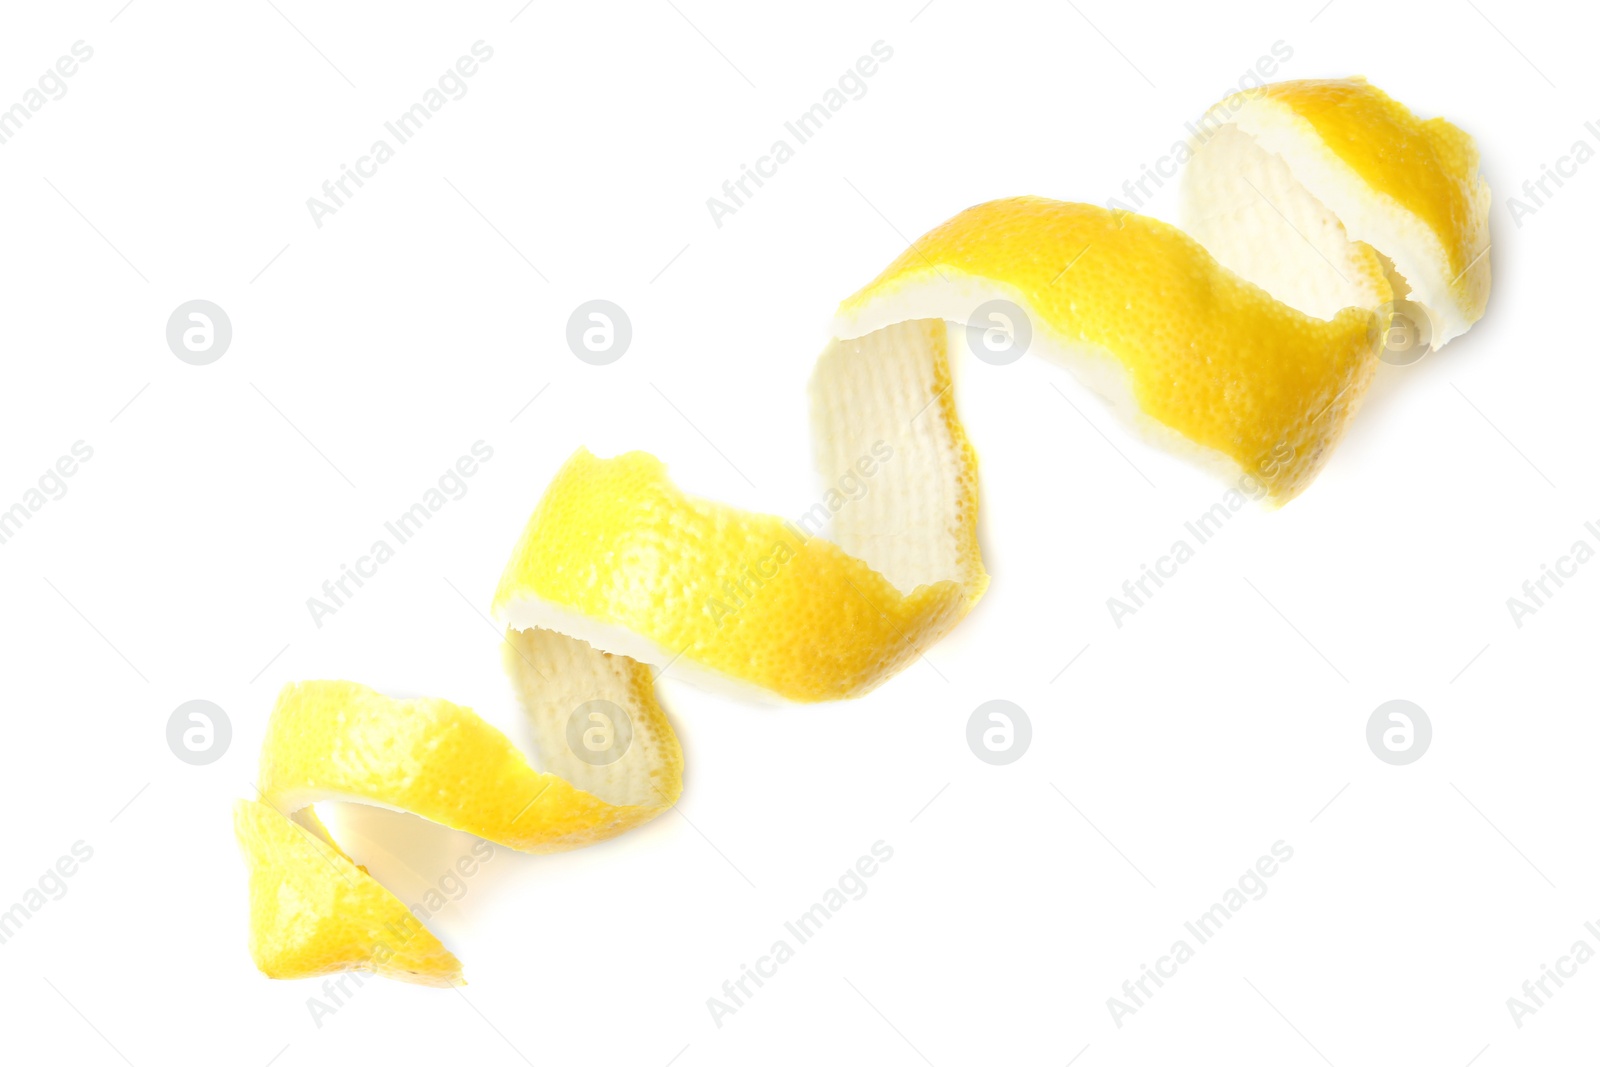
{"x":314,"y":913}
{"x":1291,"y":181}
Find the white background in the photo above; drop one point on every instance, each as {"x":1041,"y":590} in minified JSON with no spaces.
{"x":368,"y":354}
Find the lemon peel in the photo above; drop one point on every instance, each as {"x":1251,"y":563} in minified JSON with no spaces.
{"x":314,"y":911}
{"x":1246,"y":343}
{"x":617,"y":555}
{"x":1191,"y":355}
{"x":1301,"y":177}
{"x":1248,"y":351}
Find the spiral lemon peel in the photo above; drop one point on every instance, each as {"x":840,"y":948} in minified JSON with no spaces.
{"x":314,"y":911}
{"x":1312,"y":209}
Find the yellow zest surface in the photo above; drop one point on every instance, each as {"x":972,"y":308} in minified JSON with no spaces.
{"x":314,"y":911}
{"x":821,"y":626}
{"x":1206,"y":353}
{"x":1427,"y":166}
{"x":617,"y":567}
